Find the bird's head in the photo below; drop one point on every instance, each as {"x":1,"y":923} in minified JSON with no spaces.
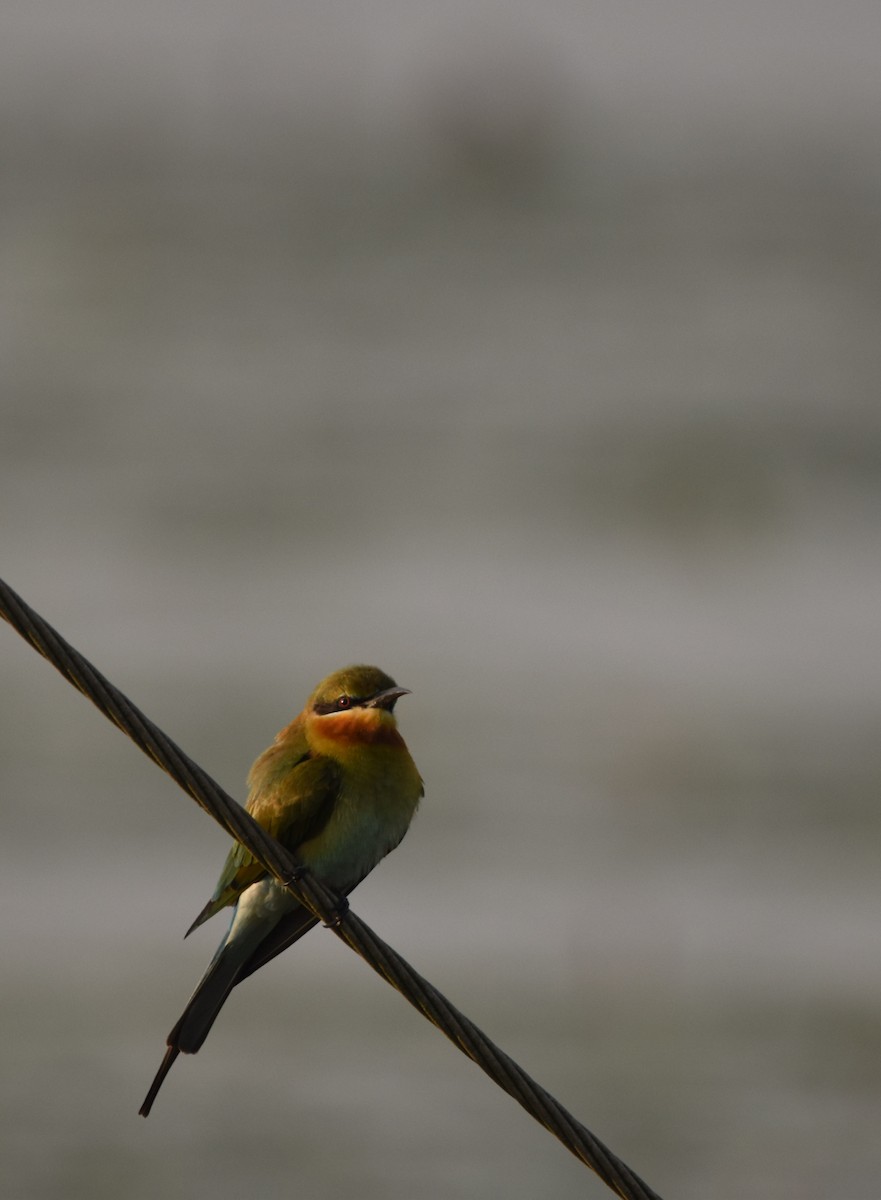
{"x":354,"y":705}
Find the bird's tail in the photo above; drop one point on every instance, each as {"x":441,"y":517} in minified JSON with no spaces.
{"x":197,"y":1018}
{"x":170,"y":1055}
{"x":257,"y":933}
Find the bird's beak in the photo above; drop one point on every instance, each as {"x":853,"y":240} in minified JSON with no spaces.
{"x":387,"y":698}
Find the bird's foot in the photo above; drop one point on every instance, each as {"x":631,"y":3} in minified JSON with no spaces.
{"x":339,"y":912}
{"x":291,"y":877}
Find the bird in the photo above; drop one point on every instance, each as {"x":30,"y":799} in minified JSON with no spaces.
{"x":338,"y":789}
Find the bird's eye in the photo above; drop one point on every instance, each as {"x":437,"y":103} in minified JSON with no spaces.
{"x":343,"y":702}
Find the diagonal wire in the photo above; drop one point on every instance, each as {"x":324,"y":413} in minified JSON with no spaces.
{"x":319,"y":900}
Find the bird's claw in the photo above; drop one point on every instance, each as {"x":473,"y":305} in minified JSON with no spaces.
{"x":293,"y":877}
{"x":339,"y":912}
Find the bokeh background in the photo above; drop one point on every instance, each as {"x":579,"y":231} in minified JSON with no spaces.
{"x":531,"y":352}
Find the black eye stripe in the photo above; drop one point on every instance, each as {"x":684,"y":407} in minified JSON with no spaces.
{"x":341,"y":704}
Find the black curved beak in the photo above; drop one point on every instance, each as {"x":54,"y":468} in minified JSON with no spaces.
{"x":387,"y":698}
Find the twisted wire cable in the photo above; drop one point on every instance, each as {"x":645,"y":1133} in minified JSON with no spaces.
{"x":321,"y":901}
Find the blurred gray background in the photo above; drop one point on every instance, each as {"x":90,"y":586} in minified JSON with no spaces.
{"x":531,"y":352}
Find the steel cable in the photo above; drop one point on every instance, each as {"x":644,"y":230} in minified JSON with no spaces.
{"x":323,"y":903}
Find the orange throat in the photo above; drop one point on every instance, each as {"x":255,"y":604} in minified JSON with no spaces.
{"x":357,"y":727}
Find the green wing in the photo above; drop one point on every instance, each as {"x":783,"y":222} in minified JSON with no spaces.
{"x":292,"y":796}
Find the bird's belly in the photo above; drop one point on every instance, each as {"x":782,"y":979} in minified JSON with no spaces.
{"x":354,"y":840}
{"x":259,"y":909}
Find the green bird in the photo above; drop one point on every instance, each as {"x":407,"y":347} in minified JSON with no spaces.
{"x":338,"y":789}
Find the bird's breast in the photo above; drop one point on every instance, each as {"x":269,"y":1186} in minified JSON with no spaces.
{"x":379,"y":792}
